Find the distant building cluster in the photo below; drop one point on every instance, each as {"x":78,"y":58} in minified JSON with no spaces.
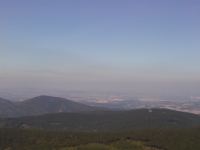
{"x":195,"y":97}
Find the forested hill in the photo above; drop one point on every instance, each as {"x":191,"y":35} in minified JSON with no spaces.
{"x":41,"y":105}
{"x":15,"y":139}
{"x":107,"y":120}
{"x":5,"y":102}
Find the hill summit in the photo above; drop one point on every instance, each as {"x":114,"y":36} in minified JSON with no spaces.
{"x":41,"y":105}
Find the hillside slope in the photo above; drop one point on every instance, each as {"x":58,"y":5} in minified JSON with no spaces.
{"x":6,"y":107}
{"x":107,"y":120}
{"x":41,"y":105}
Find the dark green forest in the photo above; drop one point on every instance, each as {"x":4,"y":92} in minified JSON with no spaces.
{"x":22,"y":139}
{"x":106,"y":121}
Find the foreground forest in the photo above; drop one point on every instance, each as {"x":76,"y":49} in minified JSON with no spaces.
{"x":23,"y":139}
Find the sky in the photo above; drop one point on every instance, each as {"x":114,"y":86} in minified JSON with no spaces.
{"x":109,"y":45}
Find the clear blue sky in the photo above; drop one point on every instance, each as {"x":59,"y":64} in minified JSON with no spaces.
{"x":114,"y":45}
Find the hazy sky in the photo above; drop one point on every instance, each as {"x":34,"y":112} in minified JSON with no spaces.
{"x":114,"y":45}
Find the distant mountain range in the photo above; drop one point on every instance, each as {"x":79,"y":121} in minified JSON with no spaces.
{"x":54,"y":113}
{"x":41,"y":105}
